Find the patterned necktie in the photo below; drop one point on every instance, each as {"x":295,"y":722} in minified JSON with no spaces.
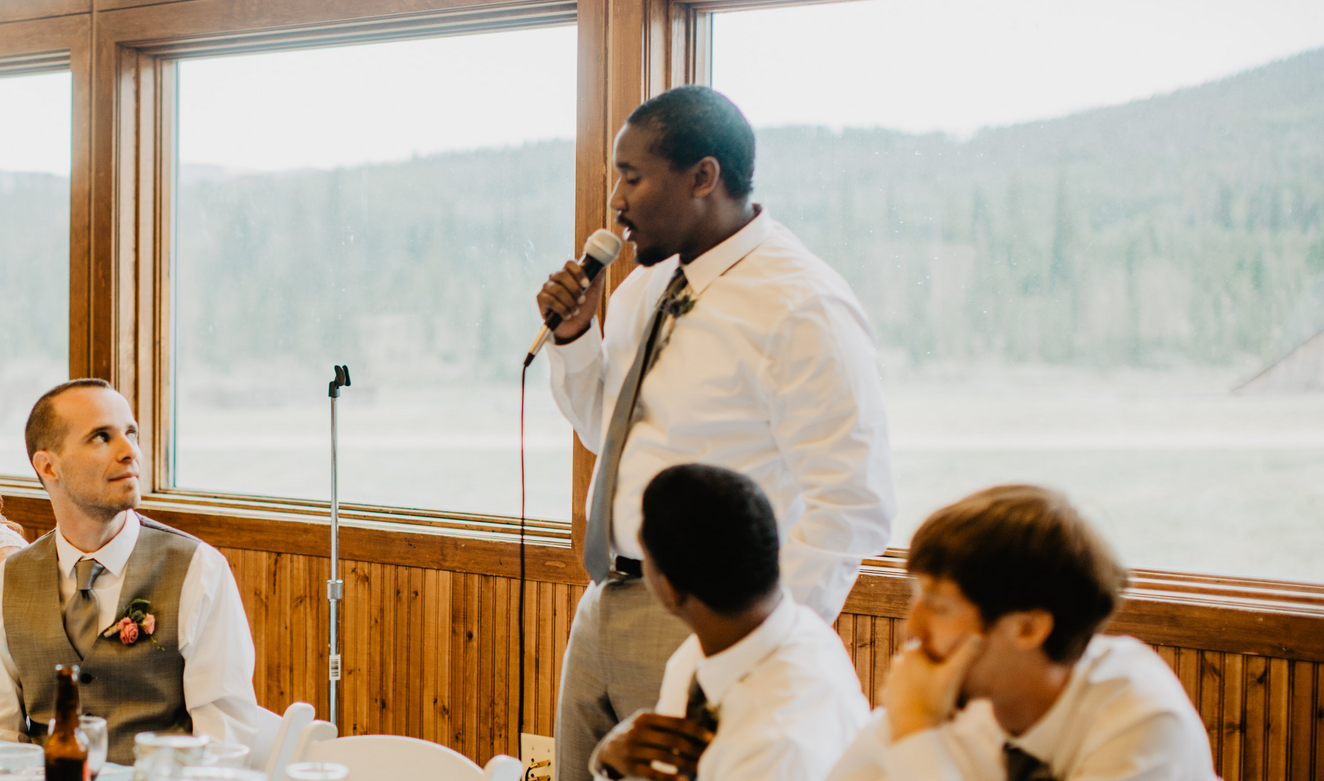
{"x":697,"y":708}
{"x":83,"y":608}
{"x":597,"y":542}
{"x":1024,"y":767}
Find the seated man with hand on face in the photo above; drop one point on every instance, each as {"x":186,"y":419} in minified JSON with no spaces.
{"x":1004,"y":676}
{"x":763,"y":689}
{"x":151,"y":615}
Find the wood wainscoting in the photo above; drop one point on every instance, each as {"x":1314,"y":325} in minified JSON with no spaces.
{"x":427,"y":653}
{"x":431,"y":638}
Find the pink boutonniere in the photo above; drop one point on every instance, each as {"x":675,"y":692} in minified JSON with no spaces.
{"x":136,"y":623}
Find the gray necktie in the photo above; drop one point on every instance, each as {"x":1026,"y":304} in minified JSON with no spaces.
{"x":83,"y":610}
{"x":1022,"y":766}
{"x":597,"y":543}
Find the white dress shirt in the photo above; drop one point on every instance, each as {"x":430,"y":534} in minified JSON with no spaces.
{"x":214,"y":638}
{"x":771,"y":374}
{"x":10,"y":541}
{"x":787,"y":698}
{"x":1123,"y":715}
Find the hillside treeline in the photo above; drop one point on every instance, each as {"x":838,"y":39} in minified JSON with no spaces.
{"x":1184,"y":229}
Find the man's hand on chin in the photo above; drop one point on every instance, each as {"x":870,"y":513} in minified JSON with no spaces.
{"x":921,"y":693}
{"x":650,"y":739}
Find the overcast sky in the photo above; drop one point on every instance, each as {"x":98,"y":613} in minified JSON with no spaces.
{"x":914,"y":65}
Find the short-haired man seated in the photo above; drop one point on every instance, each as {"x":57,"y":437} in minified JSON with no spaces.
{"x":763,"y":689}
{"x":150,"y":614}
{"x":1003,"y":676}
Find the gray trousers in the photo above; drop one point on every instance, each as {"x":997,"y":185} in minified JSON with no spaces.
{"x":619,"y":644}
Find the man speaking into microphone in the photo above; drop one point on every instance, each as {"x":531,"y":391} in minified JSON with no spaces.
{"x":730,"y":344}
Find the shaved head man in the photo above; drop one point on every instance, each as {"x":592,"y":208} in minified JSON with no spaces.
{"x":151,"y":615}
{"x":83,"y":443}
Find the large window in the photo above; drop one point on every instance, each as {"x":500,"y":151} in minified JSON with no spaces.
{"x":34,"y":250}
{"x":1091,"y":241}
{"x":392,"y":207}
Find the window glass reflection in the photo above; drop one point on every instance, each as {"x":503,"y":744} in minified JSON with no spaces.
{"x":35,"y":160}
{"x":392,"y":207}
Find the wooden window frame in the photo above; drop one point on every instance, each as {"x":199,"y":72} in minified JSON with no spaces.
{"x":137,"y":50}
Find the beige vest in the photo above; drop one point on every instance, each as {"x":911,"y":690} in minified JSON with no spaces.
{"x":136,"y":688}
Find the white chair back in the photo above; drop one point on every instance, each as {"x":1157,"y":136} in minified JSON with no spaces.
{"x":276,"y":736}
{"x":503,"y":768}
{"x":316,"y":732}
{"x":371,"y":757}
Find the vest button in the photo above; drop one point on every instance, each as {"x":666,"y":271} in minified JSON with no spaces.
{"x":85,"y":678}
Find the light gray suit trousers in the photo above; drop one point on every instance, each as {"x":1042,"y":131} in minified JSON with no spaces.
{"x":619,"y":644}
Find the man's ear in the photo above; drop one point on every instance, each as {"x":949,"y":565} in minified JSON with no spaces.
{"x":670,"y":597}
{"x":707,"y":176}
{"x":44,"y":464}
{"x":1032,"y":628}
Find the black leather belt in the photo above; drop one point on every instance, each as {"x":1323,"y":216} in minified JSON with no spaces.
{"x":626,"y":569}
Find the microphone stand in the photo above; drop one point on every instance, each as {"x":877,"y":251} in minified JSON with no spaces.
{"x":335,"y":587}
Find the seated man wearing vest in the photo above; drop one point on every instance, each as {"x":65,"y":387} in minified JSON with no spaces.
{"x":763,"y":690}
{"x":150,"y":614}
{"x":1003,"y":676}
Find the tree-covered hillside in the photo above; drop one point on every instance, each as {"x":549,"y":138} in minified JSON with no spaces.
{"x":1186,"y":228}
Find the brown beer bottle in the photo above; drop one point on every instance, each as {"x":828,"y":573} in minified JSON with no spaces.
{"x":66,"y":746}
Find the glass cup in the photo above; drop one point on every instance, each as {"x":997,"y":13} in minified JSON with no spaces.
{"x":316,"y":771}
{"x":216,"y":773}
{"x":159,"y":756}
{"x":98,"y":740}
{"x":225,"y":755}
{"x":22,"y":759}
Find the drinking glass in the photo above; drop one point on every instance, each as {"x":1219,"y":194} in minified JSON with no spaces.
{"x":94,"y":728}
{"x":225,"y":755}
{"x":316,"y":771}
{"x":163,"y":756}
{"x":22,"y":759}
{"x":98,"y":741}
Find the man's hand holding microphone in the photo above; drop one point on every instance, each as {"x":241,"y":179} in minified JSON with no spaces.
{"x":570,"y":297}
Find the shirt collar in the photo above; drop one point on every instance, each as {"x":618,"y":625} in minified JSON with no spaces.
{"x":712,"y":264}
{"x":114,"y":555}
{"x":719,"y":672}
{"x":1044,"y":735}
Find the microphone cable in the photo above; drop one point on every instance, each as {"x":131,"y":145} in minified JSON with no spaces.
{"x":519,"y":720}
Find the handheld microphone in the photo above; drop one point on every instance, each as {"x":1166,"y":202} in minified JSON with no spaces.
{"x":600,"y":251}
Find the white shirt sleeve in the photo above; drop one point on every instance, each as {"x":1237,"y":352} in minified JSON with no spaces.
{"x":577,"y":379}
{"x":802,"y":743}
{"x":13,"y":721}
{"x":217,"y":647}
{"x":828,"y":421}
{"x":1154,"y":748}
{"x":928,"y":755}
{"x":925,"y":756}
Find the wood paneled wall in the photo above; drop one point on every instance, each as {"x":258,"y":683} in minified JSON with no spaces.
{"x":427,"y":653}
{"x":433,"y":654}
{"x":430,"y":637}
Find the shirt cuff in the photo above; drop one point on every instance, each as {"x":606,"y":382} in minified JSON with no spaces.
{"x":922,"y":756}
{"x":581,"y":353}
